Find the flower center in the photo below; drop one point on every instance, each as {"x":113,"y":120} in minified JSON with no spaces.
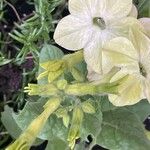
{"x":142,"y":70}
{"x":98,"y":21}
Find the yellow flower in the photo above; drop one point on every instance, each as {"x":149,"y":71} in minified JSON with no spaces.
{"x":134,"y":60}
{"x":27,"y":138}
{"x":55,"y":68}
{"x":42,"y":90}
{"x":92,"y":23}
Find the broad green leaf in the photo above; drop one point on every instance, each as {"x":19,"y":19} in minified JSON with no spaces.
{"x":105,"y":103}
{"x":141,"y":109}
{"x":57,"y":144}
{"x":9,"y":122}
{"x":91,"y":124}
{"x":82,"y":146}
{"x":122,"y":130}
{"x":52,"y":129}
{"x":48,"y":52}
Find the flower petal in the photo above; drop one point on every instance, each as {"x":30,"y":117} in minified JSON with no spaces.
{"x":92,"y":75}
{"x":72,"y":33}
{"x":117,"y":9}
{"x":122,"y":27}
{"x":130,"y":91}
{"x":146,"y":23}
{"x":141,"y":43}
{"x":118,"y":52}
{"x":93,"y":53}
{"x":133,"y":12}
{"x":87,"y":7}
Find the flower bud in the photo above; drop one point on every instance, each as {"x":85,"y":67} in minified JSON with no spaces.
{"x":87,"y":107}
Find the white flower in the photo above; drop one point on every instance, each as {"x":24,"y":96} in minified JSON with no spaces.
{"x":134,"y":12}
{"x":92,"y":23}
{"x":144,"y":21}
{"x":134,"y":60}
{"x":146,"y":24}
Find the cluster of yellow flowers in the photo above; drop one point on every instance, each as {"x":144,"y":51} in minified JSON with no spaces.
{"x":111,"y":35}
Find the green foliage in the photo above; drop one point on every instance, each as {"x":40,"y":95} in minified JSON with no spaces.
{"x":11,"y":125}
{"x":35,"y":29}
{"x":57,"y":144}
{"x":121,"y":129}
{"x":143,"y":7}
{"x":53,"y":128}
{"x":8,"y":120}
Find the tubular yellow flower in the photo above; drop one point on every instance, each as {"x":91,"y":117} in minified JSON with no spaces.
{"x":27,"y":138}
{"x":92,"y":88}
{"x":42,"y":90}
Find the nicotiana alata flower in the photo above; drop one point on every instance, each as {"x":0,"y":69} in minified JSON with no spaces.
{"x":133,"y":12}
{"x":146,"y":24}
{"x":134,"y":60}
{"x":92,"y":23}
{"x":144,"y":21}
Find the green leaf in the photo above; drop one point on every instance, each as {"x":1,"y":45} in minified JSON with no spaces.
{"x":92,"y":123}
{"x":54,"y":127}
{"x":9,"y":122}
{"x":48,"y":52}
{"x":141,"y":109}
{"x":105,"y":103}
{"x":143,"y":7}
{"x":4,"y":61}
{"x":122,"y":130}
{"x":82,"y":146}
{"x":57,"y":144}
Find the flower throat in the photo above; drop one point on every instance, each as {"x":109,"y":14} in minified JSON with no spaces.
{"x":142,"y":70}
{"x":98,"y":21}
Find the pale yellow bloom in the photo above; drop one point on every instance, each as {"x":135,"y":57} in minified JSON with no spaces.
{"x":134,"y":60}
{"x":146,"y":24}
{"x":144,"y":21}
{"x":92,"y":23}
